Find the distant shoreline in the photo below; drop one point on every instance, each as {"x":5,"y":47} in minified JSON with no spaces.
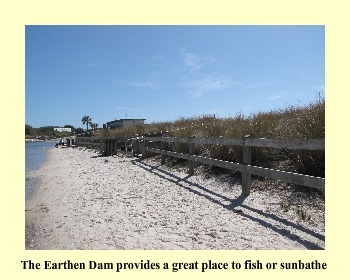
{"x":37,"y":140}
{"x":33,"y":140}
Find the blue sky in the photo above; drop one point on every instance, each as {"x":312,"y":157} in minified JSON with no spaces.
{"x":162,"y":73}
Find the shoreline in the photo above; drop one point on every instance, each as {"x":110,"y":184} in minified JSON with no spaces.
{"x":38,"y":140}
{"x":34,"y":161}
{"x":83,"y":201}
{"x":33,"y":140}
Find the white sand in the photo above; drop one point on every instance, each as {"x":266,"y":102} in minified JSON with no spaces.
{"x":85,"y":201}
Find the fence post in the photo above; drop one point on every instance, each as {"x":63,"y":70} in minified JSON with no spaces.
{"x":162,"y":146}
{"x":132,"y":148}
{"x":108,"y":147}
{"x":247,"y":160}
{"x":191,"y":162}
{"x":115,"y":146}
{"x":101,"y":146}
{"x":144,"y":152}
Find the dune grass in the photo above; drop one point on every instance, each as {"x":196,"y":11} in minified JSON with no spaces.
{"x":293,"y":122}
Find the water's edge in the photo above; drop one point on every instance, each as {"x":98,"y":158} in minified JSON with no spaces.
{"x":35,"y":156}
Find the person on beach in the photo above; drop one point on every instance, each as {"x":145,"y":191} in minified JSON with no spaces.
{"x":59,"y":143}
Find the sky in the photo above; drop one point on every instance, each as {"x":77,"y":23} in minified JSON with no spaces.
{"x":163,"y":73}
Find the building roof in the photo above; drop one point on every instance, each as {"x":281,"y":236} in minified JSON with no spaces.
{"x":127,"y":120}
{"x":132,"y":119}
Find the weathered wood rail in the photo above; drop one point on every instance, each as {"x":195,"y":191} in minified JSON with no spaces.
{"x":107,"y":146}
{"x":245,"y":167}
{"x":87,"y":142}
{"x":158,"y":145}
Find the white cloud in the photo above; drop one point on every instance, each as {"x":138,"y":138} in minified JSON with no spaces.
{"x":146,"y":84}
{"x":275,"y":97}
{"x":196,"y":62}
{"x":198,"y":87}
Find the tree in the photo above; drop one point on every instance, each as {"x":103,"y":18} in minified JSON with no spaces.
{"x":79,"y":130}
{"x":86,"y":120}
{"x":49,"y":130}
{"x":69,"y":126}
{"x":28,"y":129}
{"x":94,"y":126}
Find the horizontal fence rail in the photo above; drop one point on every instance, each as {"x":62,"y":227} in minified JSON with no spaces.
{"x":107,"y":145}
{"x":306,"y":144}
{"x":246,"y":168}
{"x":87,"y":142}
{"x":158,"y":145}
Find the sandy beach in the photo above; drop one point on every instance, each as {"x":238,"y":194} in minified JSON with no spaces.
{"x":86,"y":201}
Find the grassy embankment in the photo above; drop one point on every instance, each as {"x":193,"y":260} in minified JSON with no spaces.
{"x":294,"y":122}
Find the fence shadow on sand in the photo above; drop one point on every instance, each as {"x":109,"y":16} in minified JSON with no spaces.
{"x":233,"y":204}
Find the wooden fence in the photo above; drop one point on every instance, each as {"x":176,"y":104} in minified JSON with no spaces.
{"x":88,"y":142}
{"x":245,"y":168}
{"x":107,"y":146}
{"x":159,"y":145}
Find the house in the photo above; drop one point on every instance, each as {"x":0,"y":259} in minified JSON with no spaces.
{"x":63,"y":129}
{"x":123,"y":123}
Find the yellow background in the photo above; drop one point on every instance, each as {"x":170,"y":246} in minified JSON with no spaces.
{"x":16,"y":14}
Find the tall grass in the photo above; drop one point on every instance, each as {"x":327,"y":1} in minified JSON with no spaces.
{"x":294,"y":122}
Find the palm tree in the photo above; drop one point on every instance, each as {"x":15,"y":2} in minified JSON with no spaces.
{"x":86,"y":120}
{"x":94,"y":126}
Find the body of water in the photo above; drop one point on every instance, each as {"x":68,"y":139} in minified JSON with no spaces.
{"x":35,"y":156}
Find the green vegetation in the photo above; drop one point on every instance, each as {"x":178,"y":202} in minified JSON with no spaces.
{"x":294,"y":122}
{"x":48,"y":132}
{"x":93,"y":126}
{"x":285,"y":205}
{"x":297,"y":208}
{"x":86,"y":120}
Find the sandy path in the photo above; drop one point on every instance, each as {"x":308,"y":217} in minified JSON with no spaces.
{"x":84,"y":201}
